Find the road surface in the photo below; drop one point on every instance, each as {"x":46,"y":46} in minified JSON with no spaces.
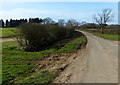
{"x":6,"y":39}
{"x":97,"y":63}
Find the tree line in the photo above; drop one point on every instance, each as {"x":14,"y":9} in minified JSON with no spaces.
{"x":101,"y":19}
{"x":48,"y":20}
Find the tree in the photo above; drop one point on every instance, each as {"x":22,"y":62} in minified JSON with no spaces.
{"x":61,"y":22}
{"x":7,"y":23}
{"x":53,"y":22}
{"x":40,"y":21}
{"x":34,"y":20}
{"x":83,"y":22}
{"x":72,"y":23}
{"x":26,"y":20}
{"x":1,"y":23}
{"x":47,"y":20}
{"x":103,"y":18}
{"x":11,"y":23}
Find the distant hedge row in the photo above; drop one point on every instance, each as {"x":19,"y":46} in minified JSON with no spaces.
{"x":35,"y":37}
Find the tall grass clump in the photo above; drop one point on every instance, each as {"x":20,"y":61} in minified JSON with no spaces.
{"x":36,"y":37}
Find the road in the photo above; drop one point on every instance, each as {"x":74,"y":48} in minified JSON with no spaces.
{"x":6,"y":39}
{"x":97,"y":63}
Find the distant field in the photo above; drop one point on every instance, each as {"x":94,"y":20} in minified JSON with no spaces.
{"x":111,"y":34}
{"x":6,"y":32}
{"x":107,"y":36}
{"x":114,"y":31}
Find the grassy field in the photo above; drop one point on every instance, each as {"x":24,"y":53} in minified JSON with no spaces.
{"x":107,"y":36}
{"x":18,"y":66}
{"x":6,"y":32}
{"x":111,"y":34}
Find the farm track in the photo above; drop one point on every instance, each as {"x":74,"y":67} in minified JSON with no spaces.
{"x":6,"y":39}
{"x":97,"y":63}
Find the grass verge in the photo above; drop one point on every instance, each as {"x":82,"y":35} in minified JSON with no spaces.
{"x":18,"y":66}
{"x":74,"y":45}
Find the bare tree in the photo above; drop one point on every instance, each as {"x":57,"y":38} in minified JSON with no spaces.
{"x":83,"y":22}
{"x":72,"y":23}
{"x":61,"y":22}
{"x":103,"y":18}
{"x":47,"y":20}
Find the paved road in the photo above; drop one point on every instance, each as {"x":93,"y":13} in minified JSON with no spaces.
{"x":98,"y":63}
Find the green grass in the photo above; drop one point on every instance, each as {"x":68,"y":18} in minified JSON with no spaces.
{"x":11,"y":72}
{"x":73,"y":46}
{"x":18,"y":65}
{"x":110,"y":34}
{"x":9,"y":43}
{"x":7,"y":32}
{"x":44,"y":77}
{"x":107,"y":36}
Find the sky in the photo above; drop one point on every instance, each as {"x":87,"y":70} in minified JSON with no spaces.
{"x":81,"y":11}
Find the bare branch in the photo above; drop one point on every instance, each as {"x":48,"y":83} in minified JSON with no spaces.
{"x":104,"y":17}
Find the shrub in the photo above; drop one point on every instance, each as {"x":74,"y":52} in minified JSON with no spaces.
{"x":35,"y":37}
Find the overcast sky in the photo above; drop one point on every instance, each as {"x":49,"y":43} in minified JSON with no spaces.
{"x":81,"y":11}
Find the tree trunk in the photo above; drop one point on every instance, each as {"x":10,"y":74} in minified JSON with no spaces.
{"x":102,"y":30}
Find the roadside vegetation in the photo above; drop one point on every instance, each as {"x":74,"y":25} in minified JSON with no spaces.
{"x":36,"y":66}
{"x":36,"y":37}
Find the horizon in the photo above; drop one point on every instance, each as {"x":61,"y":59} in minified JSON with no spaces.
{"x":81,"y":11}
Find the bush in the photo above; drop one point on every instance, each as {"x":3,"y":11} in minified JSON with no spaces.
{"x":36,"y":37}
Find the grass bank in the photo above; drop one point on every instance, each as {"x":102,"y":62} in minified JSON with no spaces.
{"x":25,"y":67}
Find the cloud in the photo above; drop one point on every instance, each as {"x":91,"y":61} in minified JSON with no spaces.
{"x":18,"y":13}
{"x":27,"y":13}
